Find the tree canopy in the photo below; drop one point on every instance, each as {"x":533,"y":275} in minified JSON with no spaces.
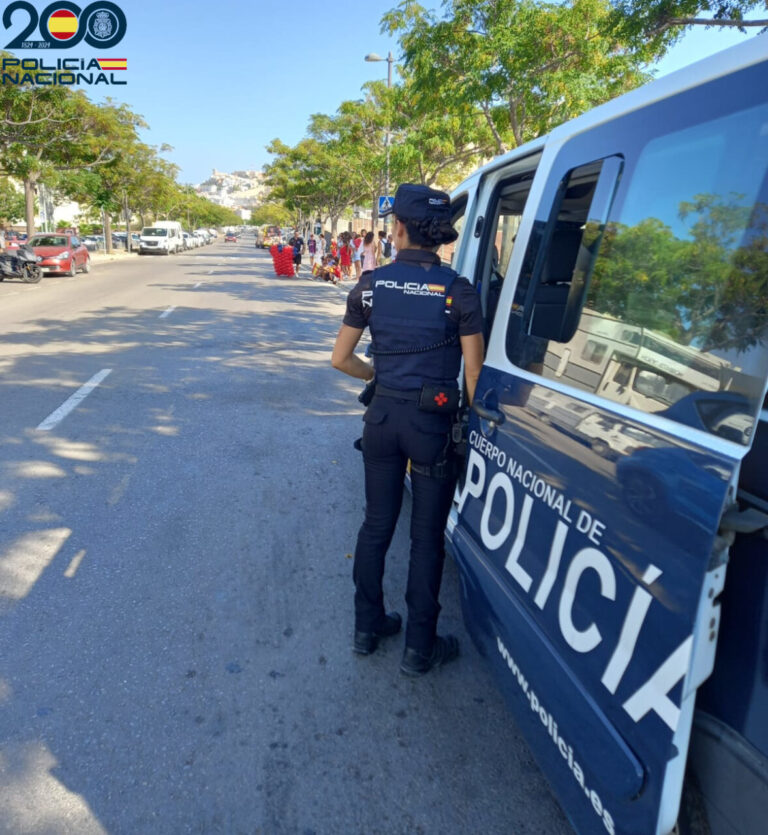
{"x":477,"y":78}
{"x":89,"y":152}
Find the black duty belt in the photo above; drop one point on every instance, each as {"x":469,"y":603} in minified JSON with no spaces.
{"x":400,"y":394}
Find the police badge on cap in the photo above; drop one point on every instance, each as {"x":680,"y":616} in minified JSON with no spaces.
{"x":416,"y":202}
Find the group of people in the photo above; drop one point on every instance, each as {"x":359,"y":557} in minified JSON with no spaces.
{"x":347,"y":257}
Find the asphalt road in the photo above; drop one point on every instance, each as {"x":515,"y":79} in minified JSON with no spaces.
{"x":175,"y":580}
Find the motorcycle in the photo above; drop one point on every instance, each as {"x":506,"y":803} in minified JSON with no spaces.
{"x":22,"y":263}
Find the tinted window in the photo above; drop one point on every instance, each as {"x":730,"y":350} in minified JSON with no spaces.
{"x":48,"y":240}
{"x":674,"y":319}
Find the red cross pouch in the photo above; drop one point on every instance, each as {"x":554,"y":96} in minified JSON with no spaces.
{"x":439,"y":399}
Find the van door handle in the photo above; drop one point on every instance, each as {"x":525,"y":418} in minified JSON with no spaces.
{"x":493,"y":415}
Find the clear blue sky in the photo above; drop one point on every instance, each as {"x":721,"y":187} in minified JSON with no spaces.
{"x":219,"y":79}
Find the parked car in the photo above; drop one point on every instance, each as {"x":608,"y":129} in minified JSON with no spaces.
{"x":60,"y":253}
{"x":93,"y":242}
{"x":164,"y":237}
{"x":190,"y":242}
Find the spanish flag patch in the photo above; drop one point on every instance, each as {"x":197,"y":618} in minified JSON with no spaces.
{"x":449,"y":301}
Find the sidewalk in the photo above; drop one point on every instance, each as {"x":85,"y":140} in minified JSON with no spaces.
{"x":100,"y":257}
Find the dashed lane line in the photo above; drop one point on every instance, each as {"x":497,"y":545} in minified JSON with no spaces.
{"x":75,"y":400}
{"x":167,"y":312}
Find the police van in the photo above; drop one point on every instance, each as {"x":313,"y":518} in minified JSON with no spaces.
{"x":610,"y":522}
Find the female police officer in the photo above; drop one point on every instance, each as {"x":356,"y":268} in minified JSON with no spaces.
{"x":422,"y":319}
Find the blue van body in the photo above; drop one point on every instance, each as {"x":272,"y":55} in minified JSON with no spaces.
{"x":610,"y":522}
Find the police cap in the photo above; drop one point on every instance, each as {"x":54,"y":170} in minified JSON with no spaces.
{"x":416,"y":202}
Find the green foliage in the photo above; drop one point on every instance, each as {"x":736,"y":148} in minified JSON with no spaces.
{"x":526,"y":66}
{"x":709,"y":290}
{"x":271,"y":213}
{"x":477,"y":78}
{"x":11,"y":203}
{"x":654,"y":25}
{"x":91,"y":153}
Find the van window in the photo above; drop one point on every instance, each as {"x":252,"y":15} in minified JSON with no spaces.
{"x":504,"y":213}
{"x":675,"y":312}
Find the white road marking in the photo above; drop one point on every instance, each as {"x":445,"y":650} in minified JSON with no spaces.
{"x":68,"y":405}
{"x":167,"y":312}
{"x":75,"y":564}
{"x":198,"y":284}
{"x":210,"y":272}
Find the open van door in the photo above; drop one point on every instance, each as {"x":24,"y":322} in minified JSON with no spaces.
{"x":626,"y":368}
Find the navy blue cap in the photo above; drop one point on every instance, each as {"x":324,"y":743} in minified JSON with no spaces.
{"x":416,"y":202}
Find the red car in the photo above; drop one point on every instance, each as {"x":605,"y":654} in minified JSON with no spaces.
{"x":60,"y":252}
{"x":230,"y":238}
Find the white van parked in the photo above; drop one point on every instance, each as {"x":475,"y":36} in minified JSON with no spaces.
{"x":165,"y":237}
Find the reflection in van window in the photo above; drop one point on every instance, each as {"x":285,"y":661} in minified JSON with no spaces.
{"x":154,"y":231}
{"x":679,"y":290}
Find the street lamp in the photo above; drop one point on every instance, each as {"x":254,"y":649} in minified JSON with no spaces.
{"x":373,"y":56}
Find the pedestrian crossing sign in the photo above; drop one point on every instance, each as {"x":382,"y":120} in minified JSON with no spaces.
{"x":385,"y":205}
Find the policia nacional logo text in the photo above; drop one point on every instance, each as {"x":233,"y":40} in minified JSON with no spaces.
{"x":63,"y":25}
{"x":412,"y":288}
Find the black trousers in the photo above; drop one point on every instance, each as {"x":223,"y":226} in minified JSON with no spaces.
{"x":395,"y":430}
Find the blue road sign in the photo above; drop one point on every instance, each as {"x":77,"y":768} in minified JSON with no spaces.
{"x":385,"y":204}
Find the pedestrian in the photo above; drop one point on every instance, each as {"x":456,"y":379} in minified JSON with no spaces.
{"x":357,"y":255}
{"x":320,"y":247}
{"x":369,"y":253}
{"x":345,"y":255}
{"x":380,"y":241}
{"x":334,"y":247}
{"x":297,"y":242}
{"x":311,"y":249}
{"x":391,"y":249}
{"x":418,"y":341}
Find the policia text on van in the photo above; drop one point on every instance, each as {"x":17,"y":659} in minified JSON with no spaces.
{"x":609,"y":526}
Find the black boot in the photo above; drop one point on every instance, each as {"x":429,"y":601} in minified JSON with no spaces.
{"x":444,"y":650}
{"x":366,"y":642}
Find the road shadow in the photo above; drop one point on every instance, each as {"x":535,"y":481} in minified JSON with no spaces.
{"x":175,"y":592}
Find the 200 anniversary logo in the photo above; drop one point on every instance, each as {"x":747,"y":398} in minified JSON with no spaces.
{"x":63,"y":25}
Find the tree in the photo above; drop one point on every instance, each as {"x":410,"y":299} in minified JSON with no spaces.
{"x":272,"y":213}
{"x":708,"y":289}
{"x":654,"y":25}
{"x":311,"y":179}
{"x":526,"y":66}
{"x":60,"y":130}
{"x":11,"y":203}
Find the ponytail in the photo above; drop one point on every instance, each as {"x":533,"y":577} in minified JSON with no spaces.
{"x":430,"y":232}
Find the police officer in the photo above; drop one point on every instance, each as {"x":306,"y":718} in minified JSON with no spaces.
{"x":423,"y":318}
